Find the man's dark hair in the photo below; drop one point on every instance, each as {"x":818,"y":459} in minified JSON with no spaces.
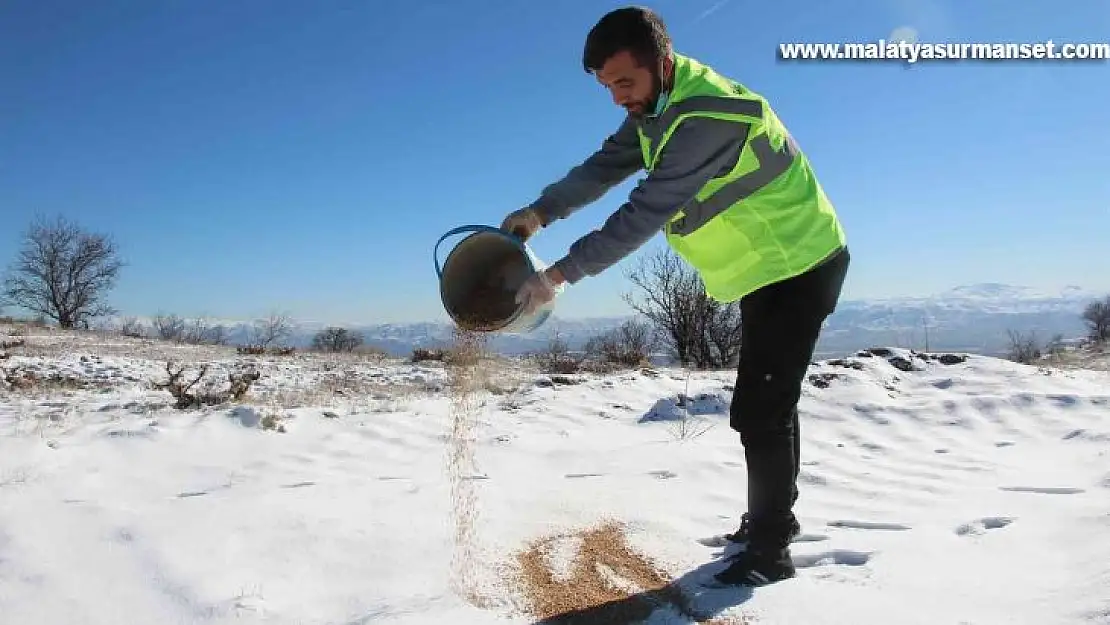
{"x":639,"y":30}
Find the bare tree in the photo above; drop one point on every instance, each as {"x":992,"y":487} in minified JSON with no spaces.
{"x":697,"y":330}
{"x":273,"y":329}
{"x":1097,"y":316}
{"x":335,"y":339}
{"x":200,"y":332}
{"x":62,"y":273}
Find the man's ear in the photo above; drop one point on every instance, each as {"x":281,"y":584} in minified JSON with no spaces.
{"x":666,"y":67}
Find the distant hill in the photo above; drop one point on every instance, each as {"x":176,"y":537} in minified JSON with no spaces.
{"x":972,"y":318}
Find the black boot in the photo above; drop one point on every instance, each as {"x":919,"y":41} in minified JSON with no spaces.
{"x":757,"y":566}
{"x":743,"y":534}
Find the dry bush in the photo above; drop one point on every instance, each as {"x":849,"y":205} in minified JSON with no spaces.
{"x":132,"y":327}
{"x":272,"y":422}
{"x":626,"y":347}
{"x":697,"y":330}
{"x":259,"y":350}
{"x":181,"y":387}
{"x":1097,"y":317}
{"x":168,"y":327}
{"x":557,"y":357}
{"x":10,"y":344}
{"x":1023,"y":348}
{"x":336,"y":339}
{"x":1055,"y":345}
{"x":348,"y":389}
{"x":421,"y":354}
{"x":371,"y":353}
{"x":26,"y":379}
{"x":200,"y":332}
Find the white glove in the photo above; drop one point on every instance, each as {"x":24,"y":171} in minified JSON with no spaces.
{"x":523,"y":223}
{"x":537,"y":290}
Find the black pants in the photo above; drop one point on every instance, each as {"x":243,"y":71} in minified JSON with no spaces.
{"x":780,"y":327}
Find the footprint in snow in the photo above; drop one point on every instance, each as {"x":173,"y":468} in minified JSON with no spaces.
{"x":980,"y":526}
{"x":868,"y":525}
{"x":193,"y":493}
{"x":1044,"y":490}
{"x":843,"y":557}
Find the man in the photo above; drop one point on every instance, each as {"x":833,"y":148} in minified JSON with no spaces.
{"x":738,"y":200}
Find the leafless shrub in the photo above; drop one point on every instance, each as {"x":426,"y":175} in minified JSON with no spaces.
{"x":1023,"y":348}
{"x":181,"y":387}
{"x":627,"y":346}
{"x":372,"y":353}
{"x":250,"y":350}
{"x":1097,"y":317}
{"x":200,"y":332}
{"x":422,"y":354}
{"x":1056,"y":345}
{"x":557,"y":357}
{"x":272,"y":422}
{"x":20,"y":378}
{"x":697,"y":330}
{"x":336,"y":339}
{"x":168,"y":327}
{"x":12,"y":343}
{"x":689,"y":426}
{"x":62,"y":272}
{"x":132,"y":327}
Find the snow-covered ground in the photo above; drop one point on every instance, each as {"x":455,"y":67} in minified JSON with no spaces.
{"x":934,"y":491}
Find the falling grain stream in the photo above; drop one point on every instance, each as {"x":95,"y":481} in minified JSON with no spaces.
{"x":609,"y":582}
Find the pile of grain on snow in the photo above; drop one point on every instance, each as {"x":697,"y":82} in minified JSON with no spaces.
{"x":593,"y":576}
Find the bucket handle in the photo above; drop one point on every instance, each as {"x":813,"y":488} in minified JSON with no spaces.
{"x":469,"y":228}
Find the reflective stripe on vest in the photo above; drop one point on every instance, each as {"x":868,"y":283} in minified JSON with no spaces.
{"x":772,"y":164}
{"x":694,"y":104}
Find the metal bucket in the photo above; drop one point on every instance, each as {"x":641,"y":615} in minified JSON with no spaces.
{"x":480,"y":277}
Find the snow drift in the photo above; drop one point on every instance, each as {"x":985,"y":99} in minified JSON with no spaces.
{"x":935,"y":489}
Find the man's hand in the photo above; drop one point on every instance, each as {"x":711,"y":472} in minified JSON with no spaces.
{"x":523,"y":223}
{"x":539,"y":289}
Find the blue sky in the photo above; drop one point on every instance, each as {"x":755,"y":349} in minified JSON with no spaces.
{"x":305,"y":156}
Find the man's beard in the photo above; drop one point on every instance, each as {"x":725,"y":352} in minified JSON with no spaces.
{"x":648,"y":106}
{"x":640,"y":112}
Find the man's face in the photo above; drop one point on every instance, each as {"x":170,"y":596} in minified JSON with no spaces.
{"x":633,"y":86}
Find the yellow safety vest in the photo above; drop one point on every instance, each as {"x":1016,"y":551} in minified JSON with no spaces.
{"x":768,"y":218}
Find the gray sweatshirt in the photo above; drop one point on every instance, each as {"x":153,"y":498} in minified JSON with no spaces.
{"x":698,"y":150}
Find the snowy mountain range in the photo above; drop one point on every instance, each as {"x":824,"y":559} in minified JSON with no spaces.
{"x":973,"y":318}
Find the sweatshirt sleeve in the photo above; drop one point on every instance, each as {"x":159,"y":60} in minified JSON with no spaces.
{"x":699,"y":149}
{"x":618,"y":158}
